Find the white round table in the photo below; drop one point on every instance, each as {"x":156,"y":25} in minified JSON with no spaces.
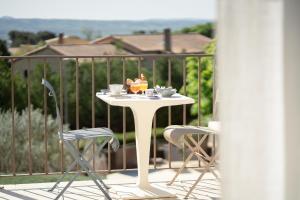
{"x":143,"y":109}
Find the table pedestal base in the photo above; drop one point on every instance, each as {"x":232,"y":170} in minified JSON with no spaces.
{"x":151,"y":192}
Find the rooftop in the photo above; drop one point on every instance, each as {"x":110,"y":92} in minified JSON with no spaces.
{"x":181,"y":43}
{"x":67,"y":40}
{"x":81,"y":50}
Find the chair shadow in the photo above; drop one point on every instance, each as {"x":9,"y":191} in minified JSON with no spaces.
{"x":16,"y":195}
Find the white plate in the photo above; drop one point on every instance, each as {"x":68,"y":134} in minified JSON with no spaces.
{"x":116,"y":95}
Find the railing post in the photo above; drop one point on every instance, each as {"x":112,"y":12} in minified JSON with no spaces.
{"x":77,"y":102}
{"x":169,"y":112}
{"x":154,"y":118}
{"x":184,"y":106}
{"x":29,"y":117}
{"x":93,"y":108}
{"x":13,"y":118}
{"x":199,"y":90}
{"x":124,"y":117}
{"x":61,"y":104}
{"x":199,"y":70}
{"x":45,"y":121}
{"x":108,"y":112}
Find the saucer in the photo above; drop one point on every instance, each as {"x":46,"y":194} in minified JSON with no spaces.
{"x":116,"y":95}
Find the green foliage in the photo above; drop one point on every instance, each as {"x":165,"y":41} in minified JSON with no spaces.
{"x":24,"y":37}
{"x":85,"y":89}
{"x":203,"y":29}
{"x":21,"y":141}
{"x":206,"y":81}
{"x":3,"y":48}
{"x":44,"y":35}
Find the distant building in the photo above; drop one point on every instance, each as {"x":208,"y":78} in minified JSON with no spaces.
{"x":89,"y":50}
{"x":158,"y":43}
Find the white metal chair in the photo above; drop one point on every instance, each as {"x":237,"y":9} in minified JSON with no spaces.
{"x":68,"y":137}
{"x":183,"y":135}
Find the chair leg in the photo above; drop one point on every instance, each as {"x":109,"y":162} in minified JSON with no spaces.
{"x":66,"y":187}
{"x":85,"y":165}
{"x":181,"y":168}
{"x":66,"y":172}
{"x":194,"y":185}
{"x":63,"y":176}
{"x":207,"y":168}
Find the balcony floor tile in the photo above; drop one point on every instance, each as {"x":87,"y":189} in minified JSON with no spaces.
{"x":122,"y":186}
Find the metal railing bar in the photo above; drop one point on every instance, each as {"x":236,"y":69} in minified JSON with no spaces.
{"x":108,"y":113}
{"x":139,"y":59}
{"x":112,"y":56}
{"x":45,"y":120}
{"x":199,"y":70}
{"x":124,"y":116}
{"x":13,"y":119}
{"x":139,"y":67}
{"x":29,"y":118}
{"x":169,"y":111}
{"x":154,"y":118}
{"x":184,"y":106}
{"x":93,"y":108}
{"x":61,"y":104}
{"x":77,"y":102}
{"x":199,"y":91}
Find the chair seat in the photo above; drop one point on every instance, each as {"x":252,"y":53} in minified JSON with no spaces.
{"x":87,"y":133}
{"x":175,"y":133}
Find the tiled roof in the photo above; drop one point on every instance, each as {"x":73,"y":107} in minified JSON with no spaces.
{"x":67,"y":40}
{"x":88,"y":50}
{"x":82,"y":50}
{"x":189,"y":43}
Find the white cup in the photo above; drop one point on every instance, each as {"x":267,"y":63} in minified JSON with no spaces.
{"x":149,"y":92}
{"x":115,"y":89}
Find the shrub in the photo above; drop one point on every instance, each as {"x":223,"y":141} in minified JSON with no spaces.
{"x":22,"y":145}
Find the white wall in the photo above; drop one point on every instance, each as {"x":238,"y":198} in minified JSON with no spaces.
{"x":259,"y":81}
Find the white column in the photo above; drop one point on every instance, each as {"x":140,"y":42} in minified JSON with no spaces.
{"x":292,"y":97}
{"x":259,"y":74}
{"x":250,"y":65}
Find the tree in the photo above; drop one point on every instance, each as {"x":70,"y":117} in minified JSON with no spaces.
{"x":206,"y":29}
{"x":45,"y":35}
{"x":21,"y":37}
{"x":3,"y":48}
{"x":206,"y":81}
{"x":24,"y":37}
{"x":4,"y":75}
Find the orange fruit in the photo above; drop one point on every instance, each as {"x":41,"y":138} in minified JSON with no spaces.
{"x":129,"y":81}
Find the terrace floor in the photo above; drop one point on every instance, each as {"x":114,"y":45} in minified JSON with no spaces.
{"x":122,"y":187}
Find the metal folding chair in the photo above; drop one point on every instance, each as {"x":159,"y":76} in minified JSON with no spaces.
{"x":68,"y":137}
{"x":179,"y":135}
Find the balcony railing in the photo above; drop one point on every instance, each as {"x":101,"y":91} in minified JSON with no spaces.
{"x":24,"y":65}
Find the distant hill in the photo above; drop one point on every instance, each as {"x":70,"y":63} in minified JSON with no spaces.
{"x":99,"y":27}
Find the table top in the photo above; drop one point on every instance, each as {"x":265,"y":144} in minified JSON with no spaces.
{"x":129,"y":100}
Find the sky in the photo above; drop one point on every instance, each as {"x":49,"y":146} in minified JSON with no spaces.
{"x":109,"y":9}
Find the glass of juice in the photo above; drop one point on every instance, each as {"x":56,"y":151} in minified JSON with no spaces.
{"x":135,"y":87}
{"x":143,"y":86}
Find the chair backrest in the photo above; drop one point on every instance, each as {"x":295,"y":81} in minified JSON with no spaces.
{"x":58,"y":117}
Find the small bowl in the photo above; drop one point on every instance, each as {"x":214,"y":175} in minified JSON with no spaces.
{"x":115,"y":89}
{"x":166,"y":92}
